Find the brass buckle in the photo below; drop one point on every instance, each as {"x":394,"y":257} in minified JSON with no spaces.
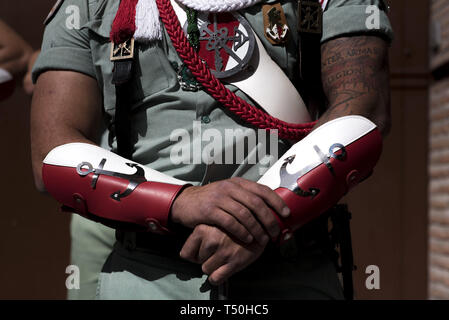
{"x":310,"y":17}
{"x":122,"y":51}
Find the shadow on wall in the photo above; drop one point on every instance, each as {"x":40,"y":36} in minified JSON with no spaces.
{"x":34,"y":236}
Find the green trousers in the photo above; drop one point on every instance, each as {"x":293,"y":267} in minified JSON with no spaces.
{"x":109,"y":271}
{"x":91,"y":243}
{"x":287,"y":273}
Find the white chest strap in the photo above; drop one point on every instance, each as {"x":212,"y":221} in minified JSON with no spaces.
{"x":267,"y":85}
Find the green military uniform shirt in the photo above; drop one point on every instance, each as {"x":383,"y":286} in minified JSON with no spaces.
{"x":159,"y":106}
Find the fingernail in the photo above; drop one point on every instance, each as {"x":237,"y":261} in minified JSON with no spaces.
{"x":249,"y":239}
{"x":286,"y":212}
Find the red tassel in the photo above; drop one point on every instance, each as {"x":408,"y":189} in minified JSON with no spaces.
{"x":124,"y":24}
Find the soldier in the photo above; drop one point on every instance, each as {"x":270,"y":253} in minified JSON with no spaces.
{"x":161,"y":83}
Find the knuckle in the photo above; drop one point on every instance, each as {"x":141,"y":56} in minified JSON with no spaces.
{"x":200,"y":229}
{"x":217,"y":214}
{"x":206,"y":269}
{"x":226,"y":255}
{"x":236,"y":264}
{"x":256,"y":202}
{"x":236,"y":179}
{"x":279,"y":201}
{"x":211,"y":245}
{"x":225,"y":185}
{"x":213,"y":197}
{"x":207,"y":207}
{"x":264,"y":189}
{"x":254,"y":225}
{"x":274,"y":198}
{"x":227,"y":221}
{"x":244,"y":212}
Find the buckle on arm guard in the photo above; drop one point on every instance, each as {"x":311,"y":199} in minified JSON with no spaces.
{"x":315,"y":173}
{"x":93,"y":181}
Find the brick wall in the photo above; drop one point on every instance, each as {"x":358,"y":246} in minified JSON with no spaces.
{"x":439,"y":154}
{"x":439,"y":32}
{"x":439,"y":191}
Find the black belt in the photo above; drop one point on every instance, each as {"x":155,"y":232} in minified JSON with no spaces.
{"x":314,"y":233}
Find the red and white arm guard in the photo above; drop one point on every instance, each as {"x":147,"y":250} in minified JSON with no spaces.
{"x":96,"y":183}
{"x":319,"y":170}
{"x":7,"y":84}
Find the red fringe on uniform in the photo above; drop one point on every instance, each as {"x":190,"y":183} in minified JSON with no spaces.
{"x":124,"y":24}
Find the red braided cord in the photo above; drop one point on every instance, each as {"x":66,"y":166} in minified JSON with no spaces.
{"x":124,"y":24}
{"x":217,"y":90}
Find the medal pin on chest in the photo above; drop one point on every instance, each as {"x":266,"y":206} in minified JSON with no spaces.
{"x":226,"y":42}
{"x":275,"y":24}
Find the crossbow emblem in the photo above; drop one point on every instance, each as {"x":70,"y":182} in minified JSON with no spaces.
{"x":122,"y":51}
{"x":135,"y":179}
{"x":226,"y":43}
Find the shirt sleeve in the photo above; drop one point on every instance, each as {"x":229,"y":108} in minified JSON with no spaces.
{"x":65,"y":44}
{"x":346,"y":17}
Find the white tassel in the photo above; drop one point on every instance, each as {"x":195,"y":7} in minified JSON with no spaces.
{"x":148,"y":26}
{"x":218,"y":5}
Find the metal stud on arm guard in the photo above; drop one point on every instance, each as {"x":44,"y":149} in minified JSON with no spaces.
{"x":319,"y":170}
{"x":100,"y":184}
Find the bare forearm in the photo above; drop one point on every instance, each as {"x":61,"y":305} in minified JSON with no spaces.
{"x":355,"y":77}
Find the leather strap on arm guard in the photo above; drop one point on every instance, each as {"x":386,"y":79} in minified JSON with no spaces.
{"x":320,"y":169}
{"x":93,"y":181}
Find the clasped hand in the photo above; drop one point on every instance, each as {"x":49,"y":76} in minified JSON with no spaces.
{"x":232,"y":222}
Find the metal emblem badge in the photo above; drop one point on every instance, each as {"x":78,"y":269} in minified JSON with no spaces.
{"x":122,"y":51}
{"x":186,"y":79}
{"x":289,"y":181}
{"x":226,"y":42}
{"x":275,"y":24}
{"x":310,"y":17}
{"x":86,"y":168}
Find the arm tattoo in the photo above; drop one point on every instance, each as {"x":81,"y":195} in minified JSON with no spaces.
{"x":355,"y":78}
